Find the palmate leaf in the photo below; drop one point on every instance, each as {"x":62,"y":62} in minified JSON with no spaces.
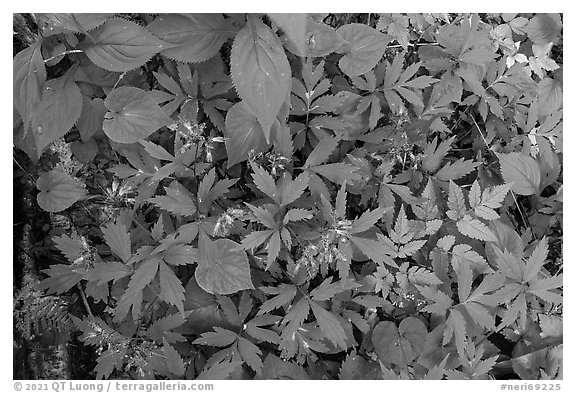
{"x":260,"y":71}
{"x":132,"y":297}
{"x":132,"y":115}
{"x":120,"y":45}
{"x":284,"y":294}
{"x":58,"y":191}
{"x":265,"y":182}
{"x":29,"y":78}
{"x":177,"y":200}
{"x":194,"y":37}
{"x":329,"y":325}
{"x":291,"y":190}
{"x":62,"y":278}
{"x":104,"y":272}
{"x":58,"y":111}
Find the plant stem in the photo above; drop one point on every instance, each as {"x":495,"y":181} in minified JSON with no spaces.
{"x":63,"y":54}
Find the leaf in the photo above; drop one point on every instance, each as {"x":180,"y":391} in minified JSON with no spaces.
{"x":220,"y":370}
{"x":285,"y":294}
{"x":227,"y":271}
{"x":399,"y":345}
{"x":550,"y":96}
{"x":132,"y":297}
{"x":84,"y":151}
{"x":536,"y":260}
{"x":456,"y":202}
{"x":433,"y":155}
{"x":367,"y":220}
{"x":133,"y":115}
{"x":91,"y":117}
{"x":521,"y":170}
{"x":294,"y":25}
{"x":171,"y":289}
{"x":118,"y":239}
{"x":296,"y":215}
{"x":293,"y":189}
{"x":376,"y":250}
{"x":194,"y":37}
{"x":177,"y":201}
{"x":544,"y":28}
{"x":260,"y":71}
{"x":365,"y":47}
{"x":456,"y":169}
{"x":243,"y":134}
{"x":337,"y":172}
{"x":156,"y":151}
{"x":250,"y":354}
{"x":58,"y":191}
{"x":265,"y":182}
{"x":104,"y":272}
{"x":329,"y":325}
{"x":72,"y":247}
{"x":475,"y":229}
{"x":218,"y":338}
{"x":326,"y":290}
{"x":174,"y":362}
{"x":119,"y":45}
{"x":58,"y":110}
{"x":62,"y":278}
{"x":180,"y":254}
{"x":29,"y":78}
{"x":109,"y":360}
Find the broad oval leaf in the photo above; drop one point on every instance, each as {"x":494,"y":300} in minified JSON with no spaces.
{"x":227,"y":270}
{"x":59,"y":109}
{"x":195,"y":37}
{"x":29,"y":78}
{"x":399,"y":345}
{"x":243,"y":133}
{"x":260,"y":72}
{"x":133,"y":115}
{"x":58,"y":191}
{"x":521,"y":170}
{"x":84,"y":151}
{"x":119,"y":45}
{"x":365,"y":47}
{"x":544,"y":28}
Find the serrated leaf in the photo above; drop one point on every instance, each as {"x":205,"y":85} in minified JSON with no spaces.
{"x":475,"y":229}
{"x":294,"y":25}
{"x":255,"y":239}
{"x":296,"y":215}
{"x":285,"y":294}
{"x":174,"y":362}
{"x":132,"y":297}
{"x":265,"y":182}
{"x":544,"y":28}
{"x":294,"y":189}
{"x":457,"y":169}
{"x":58,"y":191}
{"x":260,"y":71}
{"x":133,"y":115}
{"x":337,"y":172}
{"x":58,"y":111}
{"x":176,"y":201}
{"x":180,"y":254}
{"x":227,"y":270}
{"x":109,"y":360}
{"x":376,"y":250}
{"x":522,"y":171}
{"x":433,"y":155}
{"x":365,"y":47}
{"x":329,"y":325}
{"x":62,"y":278}
{"x":463,"y":254}
{"x":171,"y":288}
{"x":71,"y":246}
{"x":104,"y":272}
{"x":243,"y":134}
{"x":118,"y":239}
{"x":367,"y":220}
{"x":250,"y":354}
{"x":29,"y":77}
{"x":536,"y":260}
{"x":220,"y":370}
{"x":194,"y":37}
{"x":120,"y":45}
{"x":456,"y":202}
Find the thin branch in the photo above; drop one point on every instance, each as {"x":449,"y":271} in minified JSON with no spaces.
{"x":84,"y":300}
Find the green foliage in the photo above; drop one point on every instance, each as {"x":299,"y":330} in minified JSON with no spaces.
{"x":306,"y":196}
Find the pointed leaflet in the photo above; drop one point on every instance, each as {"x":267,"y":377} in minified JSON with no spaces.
{"x":220,"y":370}
{"x":171,"y":288}
{"x":293,"y":189}
{"x":475,"y":229}
{"x":220,"y":337}
{"x":118,"y":239}
{"x":109,"y":360}
{"x":29,"y":77}
{"x":62,"y":278}
{"x":132,"y":297}
{"x":250,"y":354}
{"x":133,"y":115}
{"x":227,"y":269}
{"x":71,"y":246}
{"x":177,"y":200}
{"x":285,"y":294}
{"x":58,"y":191}
{"x":433,"y":155}
{"x":243,"y":134}
{"x":260,"y":71}
{"x":457,"y":169}
{"x":174,"y":362}
{"x":104,"y":272}
{"x":364,"y":48}
{"x":119,"y":45}
{"x":265,"y":182}
{"x":156,"y":151}
{"x":521,"y":170}
{"x":329,"y":325}
{"x":58,"y":110}
{"x":321,"y":151}
{"x":536,"y":260}
{"x":367,"y":220}
{"x":194,"y":37}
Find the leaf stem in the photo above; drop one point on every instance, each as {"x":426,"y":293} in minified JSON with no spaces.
{"x":69,"y":52}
